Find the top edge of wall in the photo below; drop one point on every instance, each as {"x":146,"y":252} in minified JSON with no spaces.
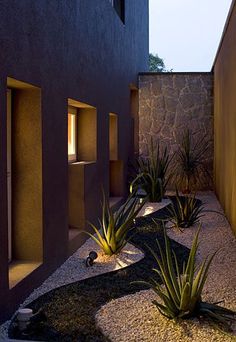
{"x":224,"y":32}
{"x":176,"y":73}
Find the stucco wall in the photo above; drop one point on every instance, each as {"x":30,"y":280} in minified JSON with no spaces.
{"x":27,"y":175}
{"x":73,"y":49}
{"x":225,"y":119}
{"x":171,"y":102}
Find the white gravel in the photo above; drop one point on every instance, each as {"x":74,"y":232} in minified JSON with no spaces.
{"x":151,"y":207}
{"x":74,"y":269}
{"x":216,"y":234}
{"x":135,"y":318}
{"x":144,"y":322}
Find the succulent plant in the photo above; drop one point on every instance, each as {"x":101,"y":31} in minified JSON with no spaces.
{"x":112,"y":231}
{"x":185,"y":211}
{"x":151,"y":173}
{"x":181,"y":293}
{"x":190,"y":164}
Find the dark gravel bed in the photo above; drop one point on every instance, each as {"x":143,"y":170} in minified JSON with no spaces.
{"x":71,"y":309}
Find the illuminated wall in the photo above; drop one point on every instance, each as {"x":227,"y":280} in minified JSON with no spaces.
{"x":225,"y":119}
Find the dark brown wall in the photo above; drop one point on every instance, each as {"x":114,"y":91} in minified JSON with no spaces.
{"x":225,"y":118}
{"x":77,"y":49}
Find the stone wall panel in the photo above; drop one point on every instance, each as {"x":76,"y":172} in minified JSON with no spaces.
{"x":171,"y":102}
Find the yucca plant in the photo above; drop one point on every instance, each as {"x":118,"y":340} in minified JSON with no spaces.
{"x":181,"y":294}
{"x":151,"y":173}
{"x":111,"y":234}
{"x":190,"y":165}
{"x":185,"y":211}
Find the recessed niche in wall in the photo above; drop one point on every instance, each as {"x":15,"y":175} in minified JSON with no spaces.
{"x":82,"y":156}
{"x":116,"y":179}
{"x":116,"y":166}
{"x":82,"y":132}
{"x":113,"y":136}
{"x":24,"y":172}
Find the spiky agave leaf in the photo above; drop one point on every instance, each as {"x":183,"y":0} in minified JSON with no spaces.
{"x":171,"y":269}
{"x":190,"y":159}
{"x":111,"y":234}
{"x":221,"y":318}
{"x":151,"y":172}
{"x":100,"y":240}
{"x":186,"y":211}
{"x":167,"y":273}
{"x":178,"y":290}
{"x":181,"y":294}
{"x":127,"y":210}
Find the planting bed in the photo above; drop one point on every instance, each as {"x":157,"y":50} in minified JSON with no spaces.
{"x":146,"y":324}
{"x":71,"y":309}
{"x":110,"y":307}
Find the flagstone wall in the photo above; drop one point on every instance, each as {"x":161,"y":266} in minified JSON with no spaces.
{"x":171,"y":102}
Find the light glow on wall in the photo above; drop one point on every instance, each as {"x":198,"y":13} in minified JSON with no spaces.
{"x":72,"y":136}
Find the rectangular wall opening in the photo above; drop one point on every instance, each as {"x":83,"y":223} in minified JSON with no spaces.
{"x":24,"y":175}
{"x":82,"y":155}
{"x":82,"y":132}
{"x":116,"y":166}
{"x":113,"y":136}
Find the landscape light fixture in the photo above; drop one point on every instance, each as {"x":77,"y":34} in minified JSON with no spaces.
{"x":90,"y":259}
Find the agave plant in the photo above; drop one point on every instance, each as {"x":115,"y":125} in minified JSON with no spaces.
{"x":190,"y":163}
{"x":111,"y":234}
{"x":151,"y":173}
{"x":181,"y":294}
{"x":185,"y":211}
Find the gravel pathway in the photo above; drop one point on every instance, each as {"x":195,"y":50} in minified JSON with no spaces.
{"x":74,"y":268}
{"x":144,"y":322}
{"x":216,"y":234}
{"x":137,"y":319}
{"x":134,"y":317}
{"x":71,"y":309}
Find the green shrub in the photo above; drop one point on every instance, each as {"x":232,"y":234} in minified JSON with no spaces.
{"x":111,"y":234}
{"x":151,"y":173}
{"x":190,"y":163}
{"x":185,"y":211}
{"x":182,"y":293}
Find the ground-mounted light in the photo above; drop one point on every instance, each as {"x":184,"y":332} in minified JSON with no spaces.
{"x":23,"y":318}
{"x":90,"y":259}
